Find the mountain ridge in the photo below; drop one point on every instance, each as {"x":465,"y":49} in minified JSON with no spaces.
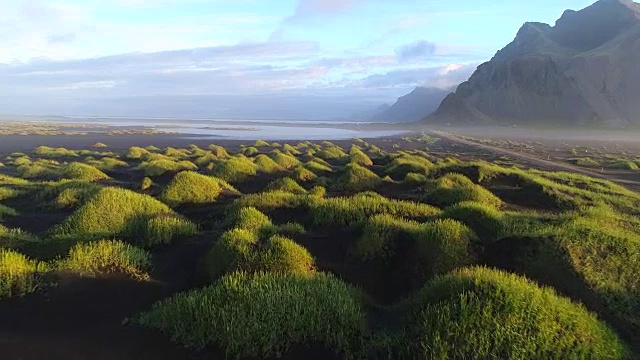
{"x":577,"y":72}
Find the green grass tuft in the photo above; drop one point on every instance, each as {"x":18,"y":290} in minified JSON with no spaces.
{"x":269,"y":314}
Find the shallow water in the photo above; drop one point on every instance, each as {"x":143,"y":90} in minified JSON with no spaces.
{"x":236,"y":130}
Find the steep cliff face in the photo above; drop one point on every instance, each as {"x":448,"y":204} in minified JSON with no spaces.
{"x":584,"y":70}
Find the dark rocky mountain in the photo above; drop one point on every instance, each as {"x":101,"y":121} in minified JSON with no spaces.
{"x":413,"y":106}
{"x":585,"y":70}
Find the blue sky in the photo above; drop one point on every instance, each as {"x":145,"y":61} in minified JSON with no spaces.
{"x":72,"y":55}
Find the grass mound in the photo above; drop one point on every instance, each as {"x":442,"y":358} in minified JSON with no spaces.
{"x":267,"y":165}
{"x":271,"y":200}
{"x":119,"y":212}
{"x":437,"y":247}
{"x":189,"y":187}
{"x":251,"y":246}
{"x":235,"y":170}
{"x":487,"y":314}
{"x":287,"y":185}
{"x":286,"y":161}
{"x":359,"y":157}
{"x":348,"y":211}
{"x":106,"y":257}
{"x":485,"y":220}
{"x":404,"y":164}
{"x":137,"y":153}
{"x":16,"y":274}
{"x":332,"y":153}
{"x":302,"y":174}
{"x":359,"y":178}
{"x":161,"y":166}
{"x":7,"y":211}
{"x":454,"y":188}
{"x":50,"y":152}
{"x":84,"y":172}
{"x":270,"y":313}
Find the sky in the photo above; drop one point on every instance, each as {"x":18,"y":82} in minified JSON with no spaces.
{"x":316,"y":59}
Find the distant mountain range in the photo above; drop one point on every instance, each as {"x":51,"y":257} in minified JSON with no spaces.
{"x":585,"y":70}
{"x":408,"y":108}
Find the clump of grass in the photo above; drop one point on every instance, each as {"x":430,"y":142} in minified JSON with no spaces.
{"x":359,"y":178}
{"x":189,"y":187}
{"x":303,"y":175}
{"x":331,"y":152}
{"x":359,"y":157}
{"x":415,"y":179}
{"x":176,"y":153}
{"x":438,"y":246}
{"x":107,"y":163}
{"x":162,"y":229}
{"x":106,"y":257}
{"x":40,"y":169}
{"x":270,"y":313}
{"x":159,"y":167}
{"x":73,"y":194}
{"x":9,"y":193}
{"x":119,"y":212}
{"x":49,"y":152}
{"x":286,"y":161}
{"x":17,"y":239}
{"x":286,"y":184}
{"x":404,"y":164}
{"x":291,"y":150}
{"x":12,"y":180}
{"x":347,"y":211}
{"x":318,"y":166}
{"x":219,"y":151}
{"x":267,"y":165}
{"x":137,"y":153}
{"x":261,"y":143}
{"x":485,"y":220}
{"x":454,"y":188}
{"x":146,"y":183}
{"x":250,"y":151}
{"x":7,"y":211}
{"x":235,"y":170}
{"x":16,"y":274}
{"x":271,"y":200}
{"x":80,"y":171}
{"x":483,"y":313}
{"x":99,"y":145}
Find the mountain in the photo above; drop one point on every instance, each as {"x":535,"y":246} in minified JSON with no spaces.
{"x":585,"y":70}
{"x":413,"y":106}
{"x":371,"y":113}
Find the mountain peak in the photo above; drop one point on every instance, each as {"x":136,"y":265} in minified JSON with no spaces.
{"x":583,"y":70}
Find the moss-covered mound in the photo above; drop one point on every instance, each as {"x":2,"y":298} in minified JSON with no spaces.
{"x":356,"y":209}
{"x":359,"y":178}
{"x":487,"y":314}
{"x":119,"y":212}
{"x":189,"y":187}
{"x":106,"y":257}
{"x":265,"y":315}
{"x":454,"y":188}
{"x":80,"y":171}
{"x":16,"y":274}
{"x":235,"y":170}
{"x":286,"y":184}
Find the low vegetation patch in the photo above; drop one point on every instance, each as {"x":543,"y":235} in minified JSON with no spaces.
{"x":119,"y":212}
{"x":189,"y":187}
{"x":483,"y":313}
{"x":106,"y":257}
{"x":16,"y":274}
{"x":270,"y":314}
